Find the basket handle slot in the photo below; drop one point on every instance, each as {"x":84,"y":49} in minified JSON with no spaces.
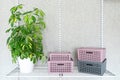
{"x":89,"y":64}
{"x":60,"y":64}
{"x":88,"y":52}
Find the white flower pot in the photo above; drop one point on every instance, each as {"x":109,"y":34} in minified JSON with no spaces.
{"x":25,"y":65}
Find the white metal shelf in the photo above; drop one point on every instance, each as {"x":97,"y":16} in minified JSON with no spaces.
{"x":42,"y":71}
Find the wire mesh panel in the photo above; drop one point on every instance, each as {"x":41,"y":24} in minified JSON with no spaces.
{"x":60,"y":56}
{"x":60,"y":66}
{"x":91,"y":54}
{"x":92,"y":67}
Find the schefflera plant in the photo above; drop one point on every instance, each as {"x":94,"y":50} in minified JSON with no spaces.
{"x":25,"y":40}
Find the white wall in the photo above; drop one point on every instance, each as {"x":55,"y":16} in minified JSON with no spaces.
{"x":5,"y":59}
{"x":112,"y":33}
{"x":80,"y":28}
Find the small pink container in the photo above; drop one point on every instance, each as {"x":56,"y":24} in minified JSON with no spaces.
{"x":60,"y":66}
{"x":60,"y":62}
{"x":60,"y":56}
{"x":91,"y":54}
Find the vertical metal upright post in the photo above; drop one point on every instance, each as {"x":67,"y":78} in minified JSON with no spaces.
{"x":60,"y":29}
{"x":101,"y":23}
{"x":60,"y":25}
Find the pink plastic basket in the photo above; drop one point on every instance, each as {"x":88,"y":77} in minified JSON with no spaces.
{"x":60,"y":66}
{"x":91,"y":54}
{"x":60,"y":62}
{"x":57,"y":56}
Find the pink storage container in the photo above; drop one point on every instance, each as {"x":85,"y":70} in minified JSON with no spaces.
{"x":60,"y":56}
{"x":91,"y":54}
{"x":60,"y":62}
{"x":60,"y":66}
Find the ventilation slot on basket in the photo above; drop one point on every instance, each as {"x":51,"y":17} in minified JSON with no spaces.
{"x":89,"y":52}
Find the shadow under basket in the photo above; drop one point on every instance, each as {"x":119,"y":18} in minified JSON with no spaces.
{"x":97,"y":68}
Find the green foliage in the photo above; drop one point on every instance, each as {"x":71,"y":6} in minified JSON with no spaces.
{"x":25,"y":40}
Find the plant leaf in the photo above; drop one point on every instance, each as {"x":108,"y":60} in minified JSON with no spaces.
{"x":34,"y":60}
{"x":29,"y":38}
{"x":20,"y":6}
{"x":42,"y":13}
{"x":8,"y":30}
{"x":8,"y":40}
{"x":23,"y":47}
{"x":43,"y":24}
{"x":27,"y":12}
{"x":34,"y":19}
{"x":43,"y":59}
{"x":26,"y":18}
{"x":13,"y":9}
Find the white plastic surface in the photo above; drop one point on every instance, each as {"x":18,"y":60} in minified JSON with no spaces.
{"x":26,"y":66}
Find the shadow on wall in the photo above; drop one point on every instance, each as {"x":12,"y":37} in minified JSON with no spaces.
{"x":74,"y":54}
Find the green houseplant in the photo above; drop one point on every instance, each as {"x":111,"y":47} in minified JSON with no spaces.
{"x":25,"y":40}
